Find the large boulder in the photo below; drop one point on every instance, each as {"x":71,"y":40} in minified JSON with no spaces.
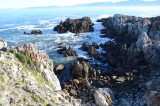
{"x":75,"y":25}
{"x":36,"y":32}
{"x":3,"y":44}
{"x":92,"y":50}
{"x":58,"y":68}
{"x":103,"y":97}
{"x":82,"y":69}
{"x":67,"y":51}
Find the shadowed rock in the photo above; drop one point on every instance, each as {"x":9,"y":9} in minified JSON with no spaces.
{"x":75,"y":25}
{"x":34,"y":32}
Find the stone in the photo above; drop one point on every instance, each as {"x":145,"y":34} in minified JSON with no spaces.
{"x":94,"y":44}
{"x":92,"y":50}
{"x":67,"y":52}
{"x":3,"y":44}
{"x":103,"y":97}
{"x":77,"y":70}
{"x":36,"y":32}
{"x":73,"y":92}
{"x":143,"y":40}
{"x":81,"y":25}
{"x":76,"y":81}
{"x":59,"y":68}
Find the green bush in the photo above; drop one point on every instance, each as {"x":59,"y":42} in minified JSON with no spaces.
{"x":22,"y":57}
{"x":4,"y":78}
{"x":36,"y":98}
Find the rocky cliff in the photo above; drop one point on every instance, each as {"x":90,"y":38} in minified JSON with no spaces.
{"x":133,"y":52}
{"x":27,"y":78}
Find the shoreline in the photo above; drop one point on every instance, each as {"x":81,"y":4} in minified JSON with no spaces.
{"x":131,"y":57}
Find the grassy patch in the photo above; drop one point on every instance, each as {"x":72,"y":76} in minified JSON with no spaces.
{"x":36,"y":98}
{"x":29,"y":66}
{"x":4,"y":78}
{"x":22,"y":57}
{"x":26,"y":60}
{"x":39,"y":78}
{"x":45,"y":102}
{"x":21,"y":82}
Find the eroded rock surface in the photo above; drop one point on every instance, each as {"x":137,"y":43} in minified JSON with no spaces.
{"x":81,"y":25}
{"x":133,"y":53}
{"x":3,"y":44}
{"x":27,"y":78}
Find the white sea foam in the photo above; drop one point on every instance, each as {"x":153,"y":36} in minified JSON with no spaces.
{"x":100,"y":17}
{"x":7,"y":25}
{"x":26,"y":27}
{"x":44,"y":22}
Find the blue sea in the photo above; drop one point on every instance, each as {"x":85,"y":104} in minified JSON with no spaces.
{"x":13,"y":23}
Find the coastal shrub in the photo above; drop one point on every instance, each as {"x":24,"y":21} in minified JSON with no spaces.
{"x":21,"y":82}
{"x":4,"y":78}
{"x":14,"y":51}
{"x":25,"y":59}
{"x":25,"y":99}
{"x":31,"y":67}
{"x":45,"y":102}
{"x":36,"y":98}
{"x":22,"y":57}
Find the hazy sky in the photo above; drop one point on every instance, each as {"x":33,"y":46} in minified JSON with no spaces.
{"x":35,"y":3}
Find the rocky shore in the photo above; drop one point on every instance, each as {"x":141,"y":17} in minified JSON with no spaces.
{"x":133,"y":53}
{"x":131,"y":78}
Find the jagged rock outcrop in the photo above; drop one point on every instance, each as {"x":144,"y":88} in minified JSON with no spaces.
{"x":81,"y":25}
{"x":83,"y":70}
{"x":103,"y":97}
{"x":67,"y":51}
{"x":3,"y":44}
{"x":42,"y":61}
{"x":92,"y":50}
{"x":135,"y":37}
{"x":25,"y":81}
{"x":86,"y":80}
{"x":133,"y":50}
{"x":34,"y":32}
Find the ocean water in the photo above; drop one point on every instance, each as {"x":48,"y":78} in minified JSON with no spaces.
{"x":13,"y":22}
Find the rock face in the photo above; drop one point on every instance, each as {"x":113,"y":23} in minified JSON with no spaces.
{"x":153,"y":93}
{"x":85,"y":81}
{"x":42,"y":61}
{"x":75,"y":25}
{"x":92,"y":50}
{"x":67,"y":52}
{"x":103,"y":97}
{"x":3,"y":44}
{"x":136,"y":41}
{"x":27,"y":78}
{"x":133,"y":51}
{"x":82,"y":70}
{"x":34,"y":32}
{"x":58,"y":68}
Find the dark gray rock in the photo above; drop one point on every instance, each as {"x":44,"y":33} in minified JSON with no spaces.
{"x":75,"y":25}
